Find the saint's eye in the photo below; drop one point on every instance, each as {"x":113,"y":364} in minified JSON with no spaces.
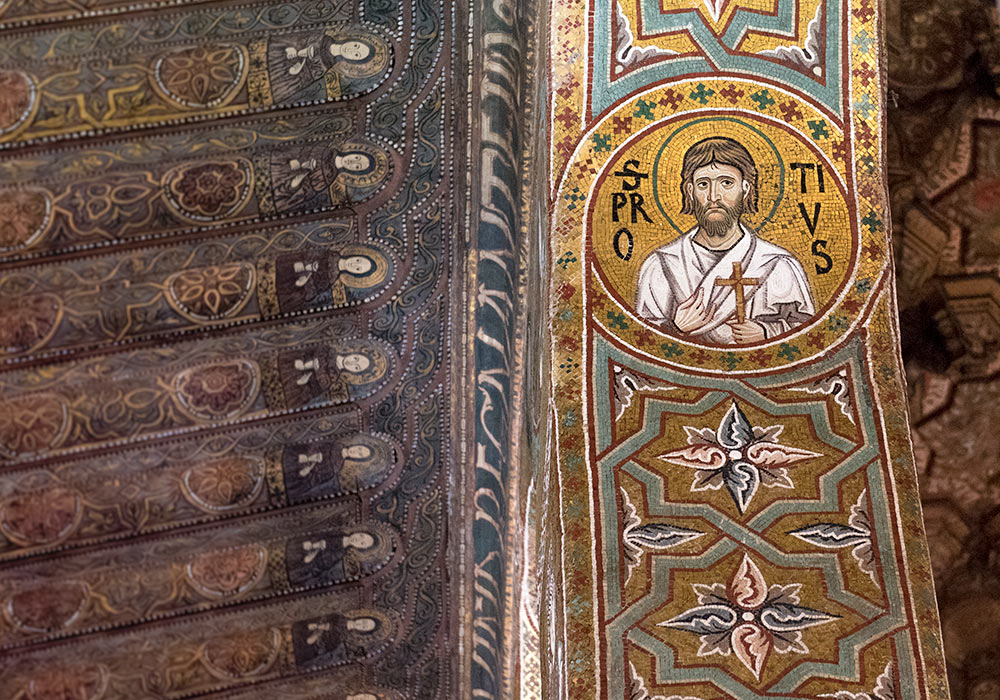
{"x":728,"y":182}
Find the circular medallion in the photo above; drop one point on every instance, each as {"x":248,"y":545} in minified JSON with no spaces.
{"x":209,"y":191}
{"x":49,"y":608}
{"x":243,"y":654}
{"x":25,"y":216}
{"x":29,"y":323}
{"x":69,"y":682}
{"x":719,"y":230}
{"x":217,"y":392}
{"x":40,"y":518}
{"x":227,"y":572}
{"x":32,"y":424}
{"x":225,"y":484}
{"x":18,"y":99}
{"x":211,"y":293}
{"x":201,"y":77}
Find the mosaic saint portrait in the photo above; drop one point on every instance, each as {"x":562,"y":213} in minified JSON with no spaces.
{"x":720,"y":231}
{"x":721,"y":281}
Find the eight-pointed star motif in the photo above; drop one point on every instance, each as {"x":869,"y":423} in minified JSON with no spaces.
{"x":749,"y":619}
{"x":739,"y":456}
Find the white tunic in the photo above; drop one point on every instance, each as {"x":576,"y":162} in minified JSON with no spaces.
{"x":780,"y":301}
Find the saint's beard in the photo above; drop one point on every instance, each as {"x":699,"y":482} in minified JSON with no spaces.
{"x":717,"y":220}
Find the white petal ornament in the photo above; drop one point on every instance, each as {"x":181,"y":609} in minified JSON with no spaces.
{"x":738,"y":455}
{"x":748,"y":618}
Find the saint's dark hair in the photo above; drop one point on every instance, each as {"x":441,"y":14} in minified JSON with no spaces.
{"x":718,"y":150}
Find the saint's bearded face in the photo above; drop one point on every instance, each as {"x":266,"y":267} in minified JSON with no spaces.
{"x":716,"y":218}
{"x":718,"y":193}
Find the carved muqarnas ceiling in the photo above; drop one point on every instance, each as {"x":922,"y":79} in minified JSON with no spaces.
{"x":230,"y":280}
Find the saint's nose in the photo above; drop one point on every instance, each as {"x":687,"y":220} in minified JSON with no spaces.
{"x":714,"y":192}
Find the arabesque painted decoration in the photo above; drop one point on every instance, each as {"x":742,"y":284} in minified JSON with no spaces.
{"x":235,"y":298}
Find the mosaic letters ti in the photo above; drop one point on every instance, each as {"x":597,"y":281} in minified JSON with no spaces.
{"x":399,"y":349}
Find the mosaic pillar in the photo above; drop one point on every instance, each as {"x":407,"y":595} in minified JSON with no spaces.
{"x":734,"y":503}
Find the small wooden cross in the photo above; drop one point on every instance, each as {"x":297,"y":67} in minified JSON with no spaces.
{"x":738,"y":282}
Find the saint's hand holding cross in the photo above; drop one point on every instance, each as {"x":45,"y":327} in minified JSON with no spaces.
{"x":744,"y":331}
{"x":692,"y":315}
